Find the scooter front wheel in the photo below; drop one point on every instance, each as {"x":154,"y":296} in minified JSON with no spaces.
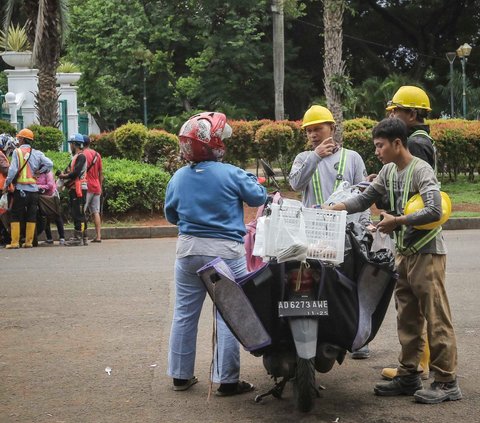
{"x":304,"y":384}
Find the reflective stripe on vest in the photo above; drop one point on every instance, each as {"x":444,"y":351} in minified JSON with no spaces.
{"x":317,"y":186}
{"x":399,"y":237}
{"x":25,"y":176}
{"x":426,"y":134}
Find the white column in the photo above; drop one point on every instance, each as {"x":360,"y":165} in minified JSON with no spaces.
{"x":24,"y":82}
{"x":69,"y":93}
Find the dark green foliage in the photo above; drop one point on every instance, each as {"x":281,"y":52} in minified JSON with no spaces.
{"x":6,"y":128}
{"x":47,"y":138}
{"x":130,"y":139}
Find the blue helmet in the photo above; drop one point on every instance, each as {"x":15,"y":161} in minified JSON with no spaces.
{"x":77,"y":139}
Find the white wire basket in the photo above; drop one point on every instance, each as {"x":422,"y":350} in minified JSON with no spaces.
{"x":324,"y":231}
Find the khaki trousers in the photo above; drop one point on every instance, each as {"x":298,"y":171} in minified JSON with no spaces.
{"x":420,"y":297}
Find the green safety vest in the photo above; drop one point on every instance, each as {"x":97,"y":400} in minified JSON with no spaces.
{"x":399,"y":237}
{"x":317,"y":187}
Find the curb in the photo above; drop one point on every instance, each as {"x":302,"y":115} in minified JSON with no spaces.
{"x":169,"y":231}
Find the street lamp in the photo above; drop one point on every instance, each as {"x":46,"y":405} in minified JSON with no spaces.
{"x":463,"y":52}
{"x":451,"y":57}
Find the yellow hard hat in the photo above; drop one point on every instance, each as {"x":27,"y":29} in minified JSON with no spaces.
{"x":317,"y":114}
{"x":410,"y":97}
{"x":416,"y":203}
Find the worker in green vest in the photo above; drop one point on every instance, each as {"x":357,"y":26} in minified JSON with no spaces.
{"x":412,"y":105}
{"x":420,"y":295}
{"x":317,"y":173}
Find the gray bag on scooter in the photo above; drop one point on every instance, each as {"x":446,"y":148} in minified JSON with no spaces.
{"x":233,"y":305}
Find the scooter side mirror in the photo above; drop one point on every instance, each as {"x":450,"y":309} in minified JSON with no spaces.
{"x":267,"y":169}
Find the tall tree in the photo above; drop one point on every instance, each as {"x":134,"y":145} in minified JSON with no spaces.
{"x":46,"y":24}
{"x":334,"y":66}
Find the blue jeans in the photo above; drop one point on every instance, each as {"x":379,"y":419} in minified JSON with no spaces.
{"x":190,"y":294}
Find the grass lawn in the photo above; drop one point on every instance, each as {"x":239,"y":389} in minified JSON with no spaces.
{"x":465,"y":196}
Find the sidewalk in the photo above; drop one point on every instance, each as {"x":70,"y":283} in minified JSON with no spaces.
{"x":133,"y":232}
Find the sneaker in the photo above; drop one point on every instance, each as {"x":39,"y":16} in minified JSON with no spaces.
{"x":439,"y":392}
{"x":184,"y":384}
{"x":61,"y":241}
{"x":47,"y":242}
{"x":361,"y":353}
{"x":74,"y":242}
{"x":400,"y":385}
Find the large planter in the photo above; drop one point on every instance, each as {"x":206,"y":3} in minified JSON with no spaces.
{"x":18,"y":59}
{"x":68,"y":78}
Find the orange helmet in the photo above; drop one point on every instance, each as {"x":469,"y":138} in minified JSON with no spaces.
{"x":26,"y":133}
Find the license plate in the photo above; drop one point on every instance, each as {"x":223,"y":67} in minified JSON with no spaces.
{"x":302,"y":308}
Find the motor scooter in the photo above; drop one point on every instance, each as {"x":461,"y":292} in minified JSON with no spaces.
{"x":302,"y":317}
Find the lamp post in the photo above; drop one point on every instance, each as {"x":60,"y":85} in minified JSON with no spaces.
{"x":451,"y":57}
{"x":463,"y":52}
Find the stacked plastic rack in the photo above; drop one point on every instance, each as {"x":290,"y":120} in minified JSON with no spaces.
{"x":323,"y":231}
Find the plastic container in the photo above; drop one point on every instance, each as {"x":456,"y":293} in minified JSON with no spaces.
{"x":322,"y":230}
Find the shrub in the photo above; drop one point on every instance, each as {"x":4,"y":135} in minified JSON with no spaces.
{"x":133,"y":186}
{"x":239,"y":145}
{"x":130,"y":139}
{"x":273,"y":141}
{"x":128,"y":185}
{"x":7,"y":128}
{"x":105,"y":144}
{"x":162,"y":149}
{"x":47,"y":138}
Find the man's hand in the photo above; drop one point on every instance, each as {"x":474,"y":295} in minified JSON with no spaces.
{"x":388,"y":223}
{"x":326,"y":148}
{"x":337,"y":207}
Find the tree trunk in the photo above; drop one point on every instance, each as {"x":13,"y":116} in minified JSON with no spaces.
{"x":278,"y":58}
{"x":334,"y":66}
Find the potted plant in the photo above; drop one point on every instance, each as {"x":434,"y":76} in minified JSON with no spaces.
{"x":16,"y":47}
{"x":67,"y":73}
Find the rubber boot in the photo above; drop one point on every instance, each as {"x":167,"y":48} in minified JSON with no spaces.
{"x":76,"y":240}
{"x":390,"y":372}
{"x":425,"y":361}
{"x":29,"y":234}
{"x":15,"y":235}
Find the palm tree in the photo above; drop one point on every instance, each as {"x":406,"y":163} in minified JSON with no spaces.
{"x":46,"y":23}
{"x":334,"y":77}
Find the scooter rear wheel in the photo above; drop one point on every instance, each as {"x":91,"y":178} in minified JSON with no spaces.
{"x":304,"y":384}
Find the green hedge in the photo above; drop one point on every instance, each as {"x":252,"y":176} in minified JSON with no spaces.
{"x":7,"y":128}
{"x":128,"y":185}
{"x":47,"y":138}
{"x":457,"y":142}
